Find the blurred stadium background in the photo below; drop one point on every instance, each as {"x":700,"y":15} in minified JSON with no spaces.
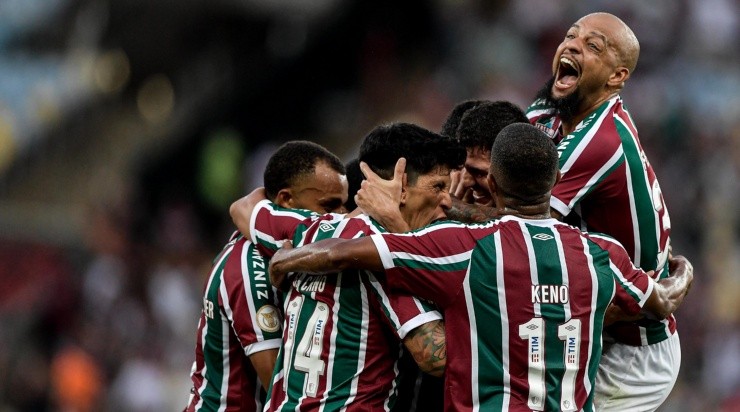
{"x":128,"y":126}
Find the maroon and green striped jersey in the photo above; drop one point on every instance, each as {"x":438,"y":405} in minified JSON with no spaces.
{"x":240,"y":317}
{"x":343,"y":333}
{"x":609,"y":186}
{"x":523,"y":302}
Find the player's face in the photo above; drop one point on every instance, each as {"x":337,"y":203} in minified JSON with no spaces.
{"x":428,"y":199}
{"x":585,"y":59}
{"x":324,"y":192}
{"x":475,"y":174}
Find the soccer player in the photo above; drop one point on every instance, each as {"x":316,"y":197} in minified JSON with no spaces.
{"x":240,"y":327}
{"x":609,"y":186}
{"x":523,"y":297}
{"x":342,"y":333}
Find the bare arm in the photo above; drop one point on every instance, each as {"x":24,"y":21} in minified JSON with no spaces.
{"x":325,"y":256}
{"x":379,"y":198}
{"x":668,"y":293}
{"x":428,"y":344}
{"x":264,"y":364}
{"x":470,"y":213}
{"x":241,"y":210}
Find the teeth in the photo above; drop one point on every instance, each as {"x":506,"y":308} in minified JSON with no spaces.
{"x":565,"y":60}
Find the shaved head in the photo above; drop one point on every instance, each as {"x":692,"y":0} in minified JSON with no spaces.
{"x":622,"y":37}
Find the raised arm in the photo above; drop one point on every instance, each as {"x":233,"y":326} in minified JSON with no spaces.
{"x":241,"y":210}
{"x":325,"y":256}
{"x":668,"y":293}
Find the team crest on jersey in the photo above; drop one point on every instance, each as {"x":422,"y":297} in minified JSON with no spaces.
{"x":268,"y":318}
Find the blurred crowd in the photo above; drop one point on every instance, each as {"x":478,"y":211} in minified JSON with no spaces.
{"x":109,"y":323}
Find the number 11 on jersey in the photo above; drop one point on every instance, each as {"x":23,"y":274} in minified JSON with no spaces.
{"x":534,"y":332}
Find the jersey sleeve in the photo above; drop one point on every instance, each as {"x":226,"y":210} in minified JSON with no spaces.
{"x":249,"y":301}
{"x":403,"y":311}
{"x":634,"y":286}
{"x":271,"y":225}
{"x":431,"y":263}
{"x":587,"y":157}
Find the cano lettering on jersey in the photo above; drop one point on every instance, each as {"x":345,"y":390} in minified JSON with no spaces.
{"x":310,"y":283}
{"x":550,"y":294}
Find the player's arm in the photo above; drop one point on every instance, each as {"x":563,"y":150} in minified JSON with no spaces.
{"x":325,"y":256}
{"x":669,"y":292}
{"x":264,"y":364}
{"x":241,"y":210}
{"x":470,"y":213}
{"x":428,"y":344}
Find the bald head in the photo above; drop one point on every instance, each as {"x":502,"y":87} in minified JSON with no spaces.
{"x":621,"y":37}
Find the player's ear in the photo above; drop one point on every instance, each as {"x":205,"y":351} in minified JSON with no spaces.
{"x":404,"y":191}
{"x":617,"y":79}
{"x":284,"y":198}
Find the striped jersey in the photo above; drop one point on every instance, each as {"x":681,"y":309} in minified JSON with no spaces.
{"x":240,"y":317}
{"x":609,"y":186}
{"x":523,"y":302}
{"x":342,"y":333}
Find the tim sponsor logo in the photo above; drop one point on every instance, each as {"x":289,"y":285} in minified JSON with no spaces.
{"x":550,"y":294}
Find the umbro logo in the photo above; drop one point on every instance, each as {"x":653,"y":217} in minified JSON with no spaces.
{"x":325,"y":227}
{"x":542,"y":236}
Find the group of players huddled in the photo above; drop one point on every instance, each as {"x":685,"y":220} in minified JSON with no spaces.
{"x":514,"y":261}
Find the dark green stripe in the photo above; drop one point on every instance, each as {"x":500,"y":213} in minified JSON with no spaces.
{"x":484,"y":292}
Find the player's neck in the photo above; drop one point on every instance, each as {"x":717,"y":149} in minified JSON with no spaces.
{"x":540,"y":210}
{"x":589,"y":106}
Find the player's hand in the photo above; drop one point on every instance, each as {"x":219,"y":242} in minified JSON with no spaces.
{"x":278,"y":276}
{"x":455,"y":181}
{"x":679,"y":262}
{"x":380,"y":198}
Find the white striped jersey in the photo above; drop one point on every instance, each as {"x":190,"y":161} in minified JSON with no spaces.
{"x":609,"y":186}
{"x":523,"y":302}
{"x":342,"y":333}
{"x":240,"y":317}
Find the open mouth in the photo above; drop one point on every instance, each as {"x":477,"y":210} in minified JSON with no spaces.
{"x":568,"y":73}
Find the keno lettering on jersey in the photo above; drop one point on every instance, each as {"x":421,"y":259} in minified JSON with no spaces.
{"x":550,"y":294}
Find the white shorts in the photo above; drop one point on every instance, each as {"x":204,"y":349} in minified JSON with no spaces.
{"x":636,"y":378}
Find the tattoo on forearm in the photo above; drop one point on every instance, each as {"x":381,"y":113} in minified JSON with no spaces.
{"x":468,"y":213}
{"x":431,"y":347}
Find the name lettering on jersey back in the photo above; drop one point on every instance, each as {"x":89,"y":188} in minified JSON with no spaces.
{"x":309,"y":283}
{"x":550,"y":294}
{"x":208,"y":308}
{"x":260,"y":282}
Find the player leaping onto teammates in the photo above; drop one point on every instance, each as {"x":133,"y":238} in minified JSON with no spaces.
{"x":523,"y":297}
{"x":609,"y":186}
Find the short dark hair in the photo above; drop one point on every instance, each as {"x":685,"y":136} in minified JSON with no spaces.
{"x":527,"y":161}
{"x":424,"y":150}
{"x":293,"y":160}
{"x":480,"y":125}
{"x":449,"y":128}
{"x":354,"y":180}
